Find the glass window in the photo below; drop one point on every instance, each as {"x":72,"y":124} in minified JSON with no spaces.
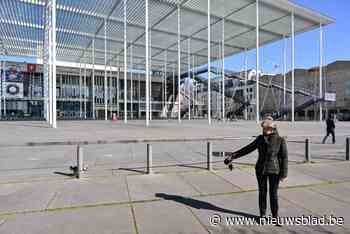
{"x":347,"y":88}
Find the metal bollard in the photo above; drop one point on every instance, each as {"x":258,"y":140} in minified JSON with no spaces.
{"x":80,"y":160}
{"x":209,"y":156}
{"x":149,"y":159}
{"x":347,"y":156}
{"x":307,"y":150}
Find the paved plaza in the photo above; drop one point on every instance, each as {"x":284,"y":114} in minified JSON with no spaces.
{"x":38,"y":193}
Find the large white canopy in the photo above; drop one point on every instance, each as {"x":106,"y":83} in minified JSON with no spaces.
{"x":80,"y":21}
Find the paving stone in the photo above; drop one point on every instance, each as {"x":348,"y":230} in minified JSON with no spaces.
{"x":102,"y":220}
{"x":317,"y":203}
{"x":91,"y":191}
{"x":209,"y":183}
{"x":330,"y":172}
{"x":239,"y":178}
{"x":145,"y":187}
{"x":167,"y":217}
{"x":337,"y":191}
{"x":26,"y":196}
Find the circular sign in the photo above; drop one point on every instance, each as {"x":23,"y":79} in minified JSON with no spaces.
{"x":12,"y":89}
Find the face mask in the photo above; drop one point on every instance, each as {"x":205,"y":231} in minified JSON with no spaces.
{"x":267,"y":132}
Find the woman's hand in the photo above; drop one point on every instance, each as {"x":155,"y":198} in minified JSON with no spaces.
{"x":282,"y":179}
{"x":228,"y":160}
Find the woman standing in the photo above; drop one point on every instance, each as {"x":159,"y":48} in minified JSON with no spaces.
{"x":271,"y":166}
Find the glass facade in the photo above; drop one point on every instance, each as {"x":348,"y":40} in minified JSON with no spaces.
{"x":23,"y":97}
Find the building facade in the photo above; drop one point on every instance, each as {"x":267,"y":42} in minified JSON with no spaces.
{"x":22,"y":93}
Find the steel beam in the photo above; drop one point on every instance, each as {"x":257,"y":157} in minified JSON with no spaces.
{"x":223,"y":69}
{"x":257,"y":98}
{"x":209,"y":64}
{"x":178,"y":63}
{"x":147,"y":59}
{"x":321,"y":71}
{"x":293,"y":64}
{"x":125,"y":66}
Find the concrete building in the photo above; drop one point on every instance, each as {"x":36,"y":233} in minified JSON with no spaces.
{"x":74,"y":93}
{"x":336,"y":81}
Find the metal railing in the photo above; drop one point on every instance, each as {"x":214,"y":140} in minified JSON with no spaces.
{"x":149,"y":149}
{"x":209,"y":142}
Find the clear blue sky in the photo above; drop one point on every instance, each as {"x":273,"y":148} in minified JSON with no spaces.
{"x":336,"y":45}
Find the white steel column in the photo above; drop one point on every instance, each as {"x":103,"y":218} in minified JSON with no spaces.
{"x":50,"y":61}
{"x":105,"y":78}
{"x":223,"y":69}
{"x":53,"y":51}
{"x":293,"y":65}
{"x":85,"y":91}
{"x":193,"y":88}
{"x":139,"y":95}
{"x":257,"y":97}
{"x":118,"y":93}
{"x":93,"y":81}
{"x":49,"y":67}
{"x":131,"y":84}
{"x":189,"y":78}
{"x":110,"y":91}
{"x":173,"y":87}
{"x":163,"y":84}
{"x":150,"y":83}
{"x":166,"y":76}
{"x":178,"y":62}
{"x":80,"y":89}
{"x":321,"y":71}
{"x":245,"y":83}
{"x":45,"y":65}
{"x":125,"y":69}
{"x":284,"y":73}
{"x":147,"y":60}
{"x":2,"y":89}
{"x":4,"y":96}
{"x":209,"y":64}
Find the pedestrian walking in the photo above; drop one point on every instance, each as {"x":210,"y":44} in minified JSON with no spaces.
{"x":330,"y":129}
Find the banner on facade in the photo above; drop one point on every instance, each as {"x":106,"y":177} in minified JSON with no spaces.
{"x":14,"y":73}
{"x":31,"y":68}
{"x":330,"y":97}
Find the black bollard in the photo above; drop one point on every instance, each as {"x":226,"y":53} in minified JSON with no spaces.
{"x":307,"y":150}
{"x":347,"y":156}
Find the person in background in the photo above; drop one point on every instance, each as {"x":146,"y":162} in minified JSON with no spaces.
{"x":330,"y":129}
{"x":271,"y":166}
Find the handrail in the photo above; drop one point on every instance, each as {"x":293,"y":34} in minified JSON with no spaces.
{"x":133,"y":141}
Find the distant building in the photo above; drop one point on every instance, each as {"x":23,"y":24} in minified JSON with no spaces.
{"x":336,"y":81}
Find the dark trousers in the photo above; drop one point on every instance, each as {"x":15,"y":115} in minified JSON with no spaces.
{"x":273,"y":187}
{"x":329,"y":131}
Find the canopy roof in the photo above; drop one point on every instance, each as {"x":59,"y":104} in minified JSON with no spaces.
{"x":80,"y":21}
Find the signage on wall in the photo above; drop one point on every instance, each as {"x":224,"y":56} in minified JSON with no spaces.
{"x":13,"y":83}
{"x":330,"y":97}
{"x":13,"y":90}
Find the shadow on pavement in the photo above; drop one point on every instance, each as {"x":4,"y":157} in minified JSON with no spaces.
{"x":140,"y":170}
{"x":197,"y":204}
{"x":64,"y":173}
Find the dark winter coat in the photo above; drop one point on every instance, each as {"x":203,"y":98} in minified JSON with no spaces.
{"x":273,"y":155}
{"x":330,"y":124}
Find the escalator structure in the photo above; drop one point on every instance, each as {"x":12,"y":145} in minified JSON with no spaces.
{"x":237,"y":97}
{"x":301,"y":107}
